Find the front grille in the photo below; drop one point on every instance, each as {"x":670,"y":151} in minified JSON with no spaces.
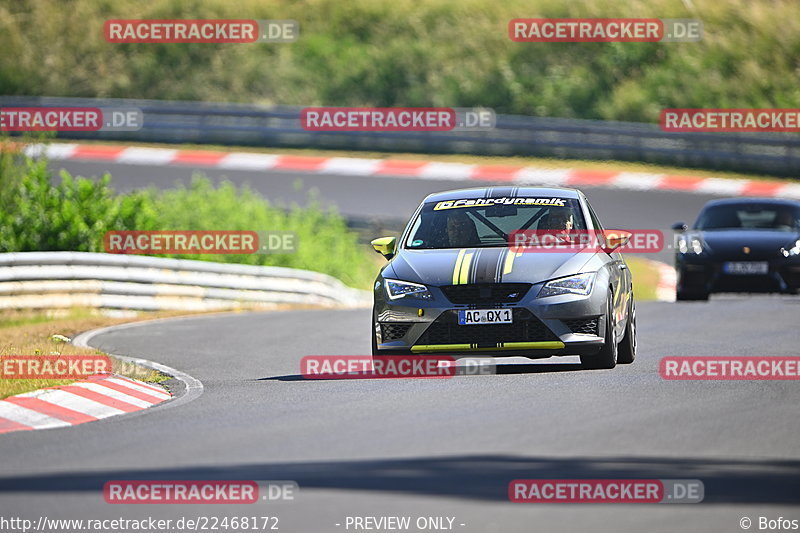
{"x":694,"y":279}
{"x":394,"y":331}
{"x":486,"y":293}
{"x":583,"y":325}
{"x":758,"y":283}
{"x":524,"y":328}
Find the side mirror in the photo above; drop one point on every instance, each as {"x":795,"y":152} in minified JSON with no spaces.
{"x":385,"y":246}
{"x":680,"y":226}
{"x":615,"y":239}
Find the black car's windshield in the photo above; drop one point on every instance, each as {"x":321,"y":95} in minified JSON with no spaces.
{"x":487,"y":222}
{"x":750,"y":216}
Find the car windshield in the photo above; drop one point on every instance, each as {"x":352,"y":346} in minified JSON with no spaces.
{"x":750,"y":216}
{"x":486,"y":222}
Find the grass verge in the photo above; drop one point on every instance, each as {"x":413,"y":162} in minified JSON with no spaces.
{"x":645,"y":278}
{"x":413,"y":53}
{"x":31,"y":333}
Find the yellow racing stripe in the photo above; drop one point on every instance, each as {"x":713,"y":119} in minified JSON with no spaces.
{"x":539,"y":345}
{"x":463,"y":277}
{"x":508,"y":266}
{"x":457,"y":269}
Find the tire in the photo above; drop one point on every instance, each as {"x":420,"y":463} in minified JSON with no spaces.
{"x":607,"y":356}
{"x":683,"y":296}
{"x":627,"y":346}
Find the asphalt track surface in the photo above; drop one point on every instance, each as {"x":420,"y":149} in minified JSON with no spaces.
{"x":392,"y":199}
{"x":387,"y":197}
{"x":404,"y":447}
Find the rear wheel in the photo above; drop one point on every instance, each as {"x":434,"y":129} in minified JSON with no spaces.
{"x":627,"y":346}
{"x":607,"y":356}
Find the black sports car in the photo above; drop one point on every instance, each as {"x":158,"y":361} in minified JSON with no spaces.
{"x":739,"y":245}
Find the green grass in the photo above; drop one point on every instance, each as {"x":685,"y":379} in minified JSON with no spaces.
{"x":645,"y":278}
{"x":24,"y":321}
{"x":413,"y":53}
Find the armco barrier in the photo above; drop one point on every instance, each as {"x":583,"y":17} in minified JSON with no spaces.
{"x":80,"y":279}
{"x":246,"y":125}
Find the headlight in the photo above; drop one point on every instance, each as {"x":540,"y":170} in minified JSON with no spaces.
{"x":687,"y":244}
{"x":793,"y":251}
{"x":578,"y":284}
{"x":398,"y":289}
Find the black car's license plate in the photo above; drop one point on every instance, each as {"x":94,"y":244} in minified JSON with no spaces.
{"x":745,"y":268}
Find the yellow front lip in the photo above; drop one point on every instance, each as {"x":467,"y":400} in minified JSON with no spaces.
{"x":542,"y":345}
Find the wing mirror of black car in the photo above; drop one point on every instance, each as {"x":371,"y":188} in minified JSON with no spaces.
{"x":680,"y":226}
{"x":386,"y":246}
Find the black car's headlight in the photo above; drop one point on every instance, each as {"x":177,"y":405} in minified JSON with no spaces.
{"x":690,"y":244}
{"x":578,"y":284}
{"x":794,"y":251}
{"x":405,"y":289}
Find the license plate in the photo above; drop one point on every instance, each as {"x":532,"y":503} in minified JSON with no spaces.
{"x":745,"y":268}
{"x":472,"y":317}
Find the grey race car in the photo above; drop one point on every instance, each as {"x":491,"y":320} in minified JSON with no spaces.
{"x":455,"y":285}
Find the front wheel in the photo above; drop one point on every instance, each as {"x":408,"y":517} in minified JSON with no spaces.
{"x":607,"y":356}
{"x":627,"y":347}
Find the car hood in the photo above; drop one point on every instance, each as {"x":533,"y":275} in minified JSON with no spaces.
{"x":760,"y":242}
{"x":484,"y":265}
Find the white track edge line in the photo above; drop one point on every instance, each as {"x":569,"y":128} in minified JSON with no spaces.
{"x":193,"y":386}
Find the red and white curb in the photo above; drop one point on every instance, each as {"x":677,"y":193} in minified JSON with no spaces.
{"x":88,"y":400}
{"x":99,"y":396}
{"x":518,"y":175}
{"x":667,"y":281}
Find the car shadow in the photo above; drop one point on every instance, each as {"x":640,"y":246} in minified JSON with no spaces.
{"x":499,"y":369}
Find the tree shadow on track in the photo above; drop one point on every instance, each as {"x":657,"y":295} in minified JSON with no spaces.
{"x":474,"y":477}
